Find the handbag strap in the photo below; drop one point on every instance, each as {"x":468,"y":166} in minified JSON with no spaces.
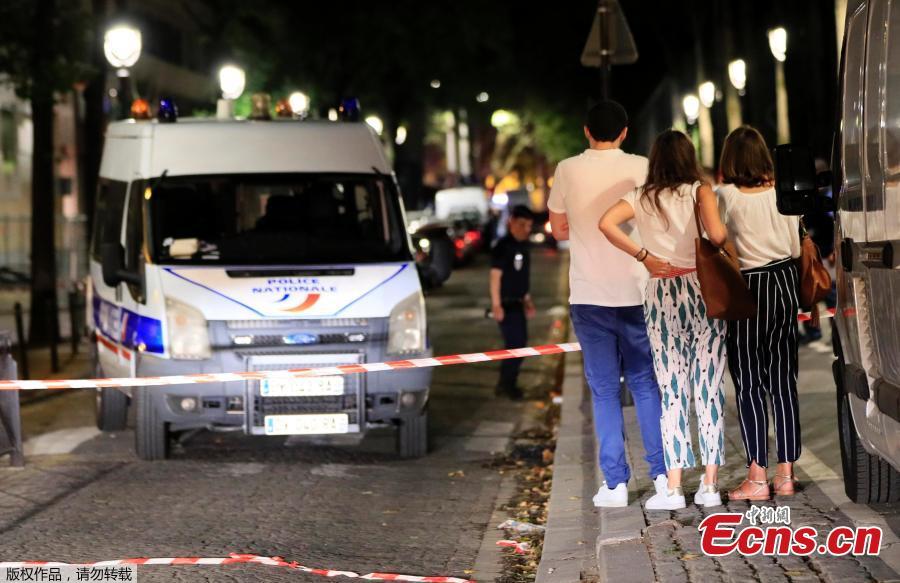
{"x":695,"y":188}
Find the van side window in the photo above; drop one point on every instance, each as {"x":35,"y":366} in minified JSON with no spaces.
{"x":108,"y":214}
{"x":851,"y":197}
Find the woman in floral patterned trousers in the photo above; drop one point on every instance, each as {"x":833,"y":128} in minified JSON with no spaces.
{"x":671,"y":210}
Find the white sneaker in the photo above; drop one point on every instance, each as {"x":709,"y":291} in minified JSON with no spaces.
{"x":661,"y":483}
{"x":611,"y":498}
{"x":671,"y":499}
{"x":707,"y":495}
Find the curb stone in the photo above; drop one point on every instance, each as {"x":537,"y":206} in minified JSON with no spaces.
{"x":572,"y":521}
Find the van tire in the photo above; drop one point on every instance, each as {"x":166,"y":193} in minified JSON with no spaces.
{"x":151,"y":435}
{"x":111,"y":409}
{"x":412,"y":436}
{"x":868,"y":479}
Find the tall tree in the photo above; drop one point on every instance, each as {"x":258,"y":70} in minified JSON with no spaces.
{"x":41,"y":49}
{"x":43,"y":211}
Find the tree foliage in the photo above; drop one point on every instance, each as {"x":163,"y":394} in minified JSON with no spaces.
{"x":19,"y":37}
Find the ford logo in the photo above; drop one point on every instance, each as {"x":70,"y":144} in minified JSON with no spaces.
{"x":300,"y":338}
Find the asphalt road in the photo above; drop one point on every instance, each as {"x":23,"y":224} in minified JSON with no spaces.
{"x":333,"y":503}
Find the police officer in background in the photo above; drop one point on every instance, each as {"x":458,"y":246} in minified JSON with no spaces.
{"x":511,"y":303}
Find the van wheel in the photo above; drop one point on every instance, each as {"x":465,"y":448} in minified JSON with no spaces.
{"x":868,"y":479}
{"x":111,"y":405}
{"x":412,"y":436}
{"x":111,"y":409}
{"x":151,"y":436}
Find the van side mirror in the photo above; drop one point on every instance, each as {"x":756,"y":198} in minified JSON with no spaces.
{"x":112,"y":261}
{"x":796,"y":182}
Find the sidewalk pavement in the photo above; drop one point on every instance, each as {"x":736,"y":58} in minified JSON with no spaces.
{"x":636,"y":545}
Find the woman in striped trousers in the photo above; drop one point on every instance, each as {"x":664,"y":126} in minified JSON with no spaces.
{"x":762,"y":351}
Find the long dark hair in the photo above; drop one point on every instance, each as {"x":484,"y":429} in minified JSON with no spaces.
{"x":745,"y":159}
{"x":673,"y":162}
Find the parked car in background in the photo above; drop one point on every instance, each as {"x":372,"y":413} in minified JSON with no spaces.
{"x":466,"y":232}
{"x":541,"y":233}
{"x":433,"y":246}
{"x":470,"y":201}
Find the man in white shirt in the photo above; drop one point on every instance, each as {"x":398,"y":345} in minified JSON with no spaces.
{"x":606,"y":296}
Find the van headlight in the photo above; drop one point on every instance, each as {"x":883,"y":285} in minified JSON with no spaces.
{"x":407,"y":326}
{"x":188,"y":331}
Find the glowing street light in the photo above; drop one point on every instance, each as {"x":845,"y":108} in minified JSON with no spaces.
{"x":332,"y":114}
{"x":435,"y":83}
{"x":122,"y":47}
{"x":737,"y":74}
{"x":691,"y":105}
{"x":232,"y":81}
{"x":707,"y":93}
{"x":778,"y":43}
{"x":482,"y":97}
{"x":299,"y":103}
{"x":375,"y":123}
{"x":502,"y":117}
{"x":400,"y":138}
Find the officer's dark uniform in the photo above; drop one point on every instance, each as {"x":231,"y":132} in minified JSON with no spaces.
{"x":513,"y":259}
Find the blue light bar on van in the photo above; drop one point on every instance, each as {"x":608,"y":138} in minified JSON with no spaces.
{"x":349,"y":109}
{"x":168,"y":111}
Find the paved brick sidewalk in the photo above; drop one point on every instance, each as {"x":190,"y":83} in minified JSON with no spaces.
{"x":672,"y":542}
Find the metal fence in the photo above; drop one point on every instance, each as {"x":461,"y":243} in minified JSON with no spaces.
{"x":71,"y":247}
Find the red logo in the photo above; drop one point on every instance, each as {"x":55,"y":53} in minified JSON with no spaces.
{"x":306,"y":304}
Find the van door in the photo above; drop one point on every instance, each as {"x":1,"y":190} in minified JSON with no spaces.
{"x":133,"y":294}
{"x":108,"y":225}
{"x":883,"y":204}
{"x":851,"y":211}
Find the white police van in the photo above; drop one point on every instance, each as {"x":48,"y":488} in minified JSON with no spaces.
{"x":238,"y":245}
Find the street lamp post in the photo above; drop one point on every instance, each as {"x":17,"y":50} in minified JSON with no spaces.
{"x":707,"y":95}
{"x":778,"y":45}
{"x":691,"y":106}
{"x":122,"y":48}
{"x":737,"y":75}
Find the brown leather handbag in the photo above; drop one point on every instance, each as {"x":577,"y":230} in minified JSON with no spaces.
{"x":722,"y":286}
{"x":815,"y":281}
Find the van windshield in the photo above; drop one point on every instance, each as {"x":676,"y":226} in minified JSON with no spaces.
{"x":266,"y":219}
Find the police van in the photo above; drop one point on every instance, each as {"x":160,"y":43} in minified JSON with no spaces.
{"x":865,"y":179}
{"x":243,"y":245}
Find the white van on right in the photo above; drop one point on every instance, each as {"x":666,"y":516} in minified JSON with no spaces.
{"x":866,"y":183}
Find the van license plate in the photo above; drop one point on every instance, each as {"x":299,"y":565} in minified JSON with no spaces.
{"x":310,"y":387}
{"x":313,"y":424}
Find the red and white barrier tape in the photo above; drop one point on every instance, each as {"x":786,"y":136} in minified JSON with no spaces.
{"x":343,"y":369}
{"x":829,"y":313}
{"x":235,"y":558}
